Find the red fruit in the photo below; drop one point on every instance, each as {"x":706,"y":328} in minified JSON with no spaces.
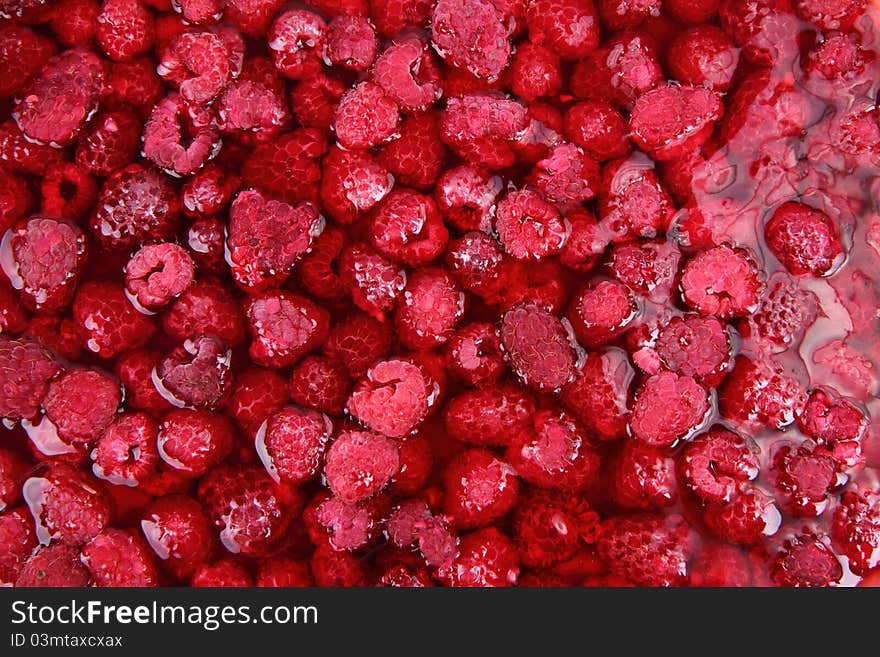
{"x":81,"y":404}
{"x":318,"y":269}
{"x":125,"y":29}
{"x":430,"y":308}
{"x":27,"y":369}
{"x":549,"y":528}
{"x":199,"y":12}
{"x":118,"y":558}
{"x":365,"y":117}
{"x":256,"y":395}
{"x":292,"y":442}
{"x":196,"y":374}
{"x":486,"y":558}
{"x":569,"y":27}
{"x":649,"y":550}
{"x":132,"y":85}
{"x":856,"y":529}
{"x":359,"y":464}
{"x":805,"y":561}
{"x":598,"y":128}
{"x":22,"y":53}
{"x":17,"y":543}
{"x":475,"y":260}
{"x":179,"y":533}
{"x":786,"y":311}
{"x":599,"y":394}
{"x":225,"y":572}
{"x":647,"y":268}
{"x":479,"y":127}
{"x":619,"y":72}
{"x":479,"y":489}
{"x":287,"y":167}
{"x":535,"y":72}
{"x":626,"y":14}
{"x":209,"y":191}
{"x":334,"y":568}
{"x":179,"y":140}
{"x":408,"y":74}
{"x":695,"y":346}
{"x":528,"y":226}
{"x":632,"y":201}
{"x":20,"y":155}
{"x":67,"y":191}
{"x":838,"y":57}
{"x":464,"y":195}
{"x":193,"y":442}
{"x":313,"y":101}
{"x":252,"y":110}
{"x":53,"y":566}
{"x":718,"y":464}
{"x":539,"y":348}
{"x":745,"y":520}
{"x":474,"y":355}
{"x":601,"y":312}
{"x":320,"y":383}
{"x":206,"y":240}
{"x":350,"y":41}
{"x":357,"y":341}
{"x":296,"y":40}
{"x":761,"y":392}
{"x":205,"y":308}
{"x":395,"y":16}
{"x":470,"y":35}
{"x":407,"y":228}
{"x":13,"y":472}
{"x":252,"y":17}
{"x":803,"y":239}
{"x":284,"y":327}
{"x":691,"y":12}
{"x":668,"y":408}
{"x":643,"y":478}
{"x":126,"y":452}
{"x":111,"y":142}
{"x":202,"y":63}
{"x":284,"y":572}
{"x":489,"y":416}
{"x":416,"y":463}
{"x":831,"y":421}
{"x":353,"y":183}
{"x":344,"y":526}
{"x":135,"y":370}
{"x":703,"y":55}
{"x":158,"y":274}
{"x":16,"y":199}
{"x":830,"y":14}
{"x":804,"y":479}
{"x":393,"y":397}
{"x":417,"y":156}
{"x":719,"y":565}
{"x":722,"y":281}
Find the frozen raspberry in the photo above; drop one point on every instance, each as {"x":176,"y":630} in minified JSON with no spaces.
{"x":359,"y":464}
{"x":601,"y":311}
{"x":695,"y":346}
{"x":643,"y":478}
{"x":207,"y":307}
{"x":475,"y":260}
{"x":549,"y":528}
{"x":619,"y":72}
{"x":586,"y":242}
{"x":252,"y":111}
{"x":125,"y":29}
{"x":720,"y":565}
{"x":81,"y":404}
{"x":132,"y":85}
{"x":598,"y":128}
{"x":650,"y":550}
{"x":158,"y":274}
{"x":416,"y":464}
{"x":394,"y":16}
{"x":353,"y":182}
{"x":490,"y":416}
{"x":107,"y":322}
{"x":486,"y":558}
{"x":250,"y":511}
{"x":17,"y":543}
{"x":252,"y":16}
{"x":599,"y":394}
{"x":46,"y":257}
{"x":313,"y":101}
{"x":291,"y":443}
{"x":135,"y":205}
{"x":535,"y":72}
{"x":56,"y":105}
{"x":224,"y":573}
{"x":13,"y":472}
{"x":320,"y":383}
{"x":470,"y":35}
{"x":407,"y":73}
{"x":566,"y":176}
{"x":691,"y":12}
{"x":196,"y":374}
{"x":365,"y":117}
{"x":553,"y":452}
{"x":648,"y":268}
{"x":538,"y":346}
{"x":831,"y":421}
{"x":803,"y":239}
{"x":284,"y":572}
{"x":830,"y":14}
{"x":19,"y":154}
{"x":110,"y":143}
{"x":411,"y":523}
{"x":13,"y":318}
{"x":178,"y":531}
{"x":56,"y":332}
{"x":479,"y":489}
{"x":206,"y":239}
{"x":53,"y":566}
{"x":745,"y":520}
{"x":406,"y":227}
{"x":528,"y":226}
{"x":393,"y":397}
{"x":135,"y":370}
{"x":178,"y":140}
{"x":480,"y":126}
{"x":287,"y":166}
{"x":430,"y":307}
{"x":67,"y":191}
{"x":417,"y":156}
{"x":126,"y":453}
{"x":202,"y":63}
{"x":357,"y":341}
{"x":722,"y":281}
{"x":284,"y":327}
{"x":540,"y":283}
{"x":118,"y":558}
{"x":465,"y":195}
{"x":762,"y":28}
{"x":474,"y":355}
{"x":786,"y":312}
{"x":16,"y":199}
{"x":22,"y":53}
{"x":296,"y":41}
{"x":667,"y":408}
{"x":804,"y":479}
{"x":838,"y":57}
{"x":761,"y":392}
{"x":209,"y":191}
{"x":332,"y":567}
{"x":805,"y":561}
{"x":716,"y":465}
{"x":626,"y":14}
{"x":256,"y":395}
{"x":350,"y":41}
{"x":632,"y":201}
{"x":194,"y":441}
{"x":569,"y":27}
{"x":66,"y":505}
{"x":343,"y":525}
{"x":703,"y":55}
{"x":856,"y":529}
{"x":199,"y":12}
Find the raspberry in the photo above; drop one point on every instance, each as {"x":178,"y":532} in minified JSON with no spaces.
{"x":601,"y":311}
{"x":178,"y":140}
{"x":647,"y":268}
{"x":553,"y":453}
{"x":133,"y":85}
{"x":480,"y":126}
{"x":284,"y":327}
{"x":722,"y":281}
{"x":474,"y":355}
{"x":475,"y":260}
{"x":486,"y":558}
{"x":196,"y":374}
{"x":257,"y":394}
{"x":528,"y":226}
{"x":250,"y":511}
{"x":344,"y":526}
{"x":67,"y":191}
{"x":830,"y":14}
{"x":649,"y":550}
{"x":18,"y":543}
{"x":125,"y":29}
{"x":350,"y":41}
{"x":856,"y":529}
{"x":837,"y":57}
{"x":624,"y":68}
{"x":334,"y":568}
{"x":291,"y":443}
{"x":135,"y":205}
{"x":470,"y":35}
{"x":393,"y":397}
{"x":359,"y":464}
{"x":158,"y":274}
{"x":479,"y":489}
{"x":205,"y":239}
{"x":225,"y":572}
{"x":744,"y":520}
{"x":205,"y":308}
{"x":118,"y":558}
{"x":19,"y":154}
{"x":252,"y":111}
{"x":408,"y":74}
{"x":16,"y":199}
{"x":598,"y":128}
{"x":489,"y":416}
{"x":430,"y":308}
{"x":412,"y":522}
{"x":110,"y":143}
{"x":804,"y":478}
{"x":284,"y":572}
{"x":22,"y":54}
{"x":691,"y":12}
{"x":320,"y":383}
{"x":569,"y":27}
{"x":126,"y":454}
{"x":761,"y":392}
{"x":252,"y":16}
{"x":406,"y":227}
{"x":365,"y":117}
{"x":541,"y":283}
{"x":632,"y":201}
{"x":786,"y":311}
{"x":56,"y":105}
{"x":804,"y":240}
{"x":586,"y":242}
{"x":53,"y":566}
{"x":13,"y":318}
{"x":81,"y":404}
{"x":27,"y":369}
{"x":199,"y":12}
{"x":627,"y":14}
{"x":417,"y":156}
{"x":13,"y":472}
{"x":106,"y":321}
{"x":287,"y":166}
{"x":538,"y":346}
{"x":353,"y":182}
{"x":416,"y":463}
{"x":643,"y":478}
{"x":46,"y":257}
{"x":549,"y":528}
{"x":357,"y":341}
{"x":179,"y":533}
{"x":296,"y":40}
{"x":465,"y":195}
{"x":66,"y":505}
{"x":718,"y":464}
{"x":598,"y":396}
{"x":209,"y":191}
{"x":535,"y":72}
{"x":192,"y":442}
{"x":695,"y":346}
{"x":202,"y":63}
{"x":314,"y":100}
{"x":830,"y":420}
{"x":135,"y":370}
{"x":805,"y":561}
{"x":668,"y":408}
{"x":759,"y":27}
{"x":395,"y":16}
{"x":703,"y":55}
{"x":718,"y":565}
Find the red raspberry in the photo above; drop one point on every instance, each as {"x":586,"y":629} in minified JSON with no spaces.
{"x":703,"y":55}
{"x":342,"y":7}
{"x":207,"y":307}
{"x":539,"y":347}
{"x":647,"y":268}
{"x":284,"y":572}
{"x":745,"y":520}
{"x":394,"y":16}
{"x":353,"y":182}
{"x":320,"y":383}
{"x":805,"y":561}
{"x":569,"y":27}
{"x":831,"y":421}
{"x":838,"y":57}
{"x":416,"y":463}
{"x":195,"y":374}
{"x":762,"y":28}
{"x":126,"y":453}
{"x":66,"y":505}
{"x":479,"y":489}
{"x":179,"y":533}
{"x":365,"y":117}
{"x":53,"y":566}
{"x":549,"y":528}
{"x":334,"y":568}
{"x":416,"y":158}
{"x":202,"y":63}
{"x":16,"y":199}
{"x":716,"y":465}
{"x":696,"y":346}
{"x":649,"y":550}
{"x":18,"y":543}
{"x":553,"y":452}
{"x":132,"y":85}
{"x":619,"y":72}
{"x":291,"y":443}
{"x":598,"y":128}
{"x":350,"y":41}
{"x":13,"y":318}
{"x":206,"y":239}
{"x":19,"y":154}
{"x":474,"y":355}
{"x":296,"y":40}
{"x":407,"y":228}
{"x":125,"y":29}
{"x":319,"y":269}
{"x":110,"y":143}
{"x":668,"y":408}
{"x":284,"y":327}
{"x":225,"y":572}
{"x":408,"y":74}
{"x":804,"y":240}
{"x":626,"y":14}
{"x":81,"y":404}
{"x":465,"y":195}
{"x":135,"y":205}
{"x":601,"y":311}
{"x":722,"y":281}
{"x":118,"y":558}
{"x":475,"y":260}
{"x":719,"y":565}
{"x":107,"y":322}
{"x":257,"y":394}
{"x":360,"y":464}
{"x":430,"y":308}
{"x":585,"y":244}
{"x":314,"y":100}
{"x":344,"y":526}
{"x":199,"y":12}
{"x":541,"y":283}
{"x":535,"y":72}
{"x":358,"y":341}
{"x":56,"y":105}
{"x":567,"y":176}
{"x":412,"y":523}
{"x":643,"y":478}
{"x":761,"y":392}
{"x":486,"y":558}
{"x":528,"y":226}
{"x":193,"y":442}
{"x":252,"y":16}
{"x":27,"y":368}
{"x":67,"y":191}
{"x":287,"y":166}
{"x":178,"y":140}
{"x":22,"y":53}
{"x":786,"y":312}
{"x":480,"y":126}
{"x":209,"y":191}
{"x":632,"y":201}
{"x":158,"y":274}
{"x":135,"y":370}
{"x":393,"y":397}
{"x":13,"y":472}
{"x":372,"y":281}
{"x":251,"y":512}
{"x":830,"y":14}
{"x":804,"y":479}
{"x":471,"y":35}
{"x":691,"y":12}
{"x":856,"y":529}
{"x":489,"y":416}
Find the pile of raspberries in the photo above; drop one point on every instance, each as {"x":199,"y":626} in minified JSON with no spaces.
{"x":439,"y":293}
